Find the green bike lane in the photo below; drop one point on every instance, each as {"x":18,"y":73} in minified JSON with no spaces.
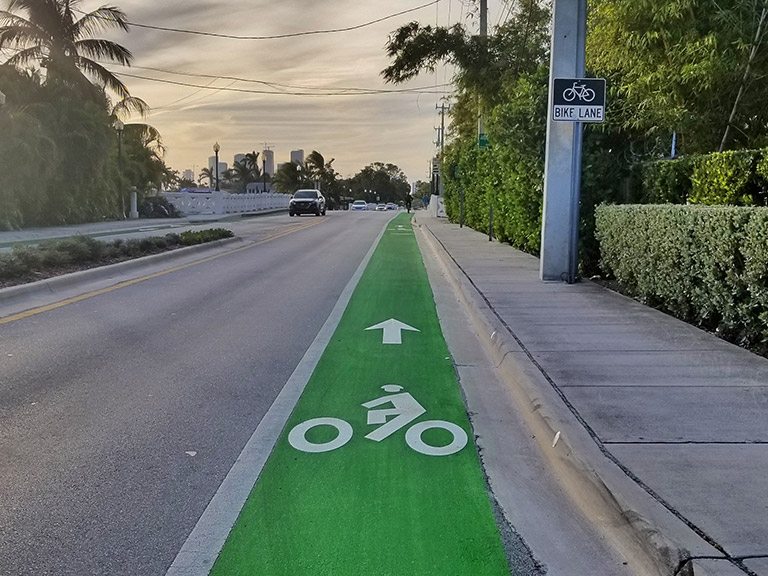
{"x":375,"y":471}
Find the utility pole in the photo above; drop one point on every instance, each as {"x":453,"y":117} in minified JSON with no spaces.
{"x":562,"y":166}
{"x":482,"y":140}
{"x":443,"y":108}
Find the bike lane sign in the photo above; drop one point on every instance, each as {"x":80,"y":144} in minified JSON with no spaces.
{"x":578,"y":100}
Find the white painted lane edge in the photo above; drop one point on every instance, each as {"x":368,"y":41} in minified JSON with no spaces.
{"x":202,"y":547}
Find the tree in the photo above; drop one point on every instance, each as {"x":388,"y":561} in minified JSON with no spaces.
{"x":209,"y":175}
{"x":28,"y":154}
{"x":290,"y":177}
{"x":517,"y":46}
{"x":379,"y":182}
{"x":679,"y":66}
{"x":325,"y":176}
{"x":252,"y":161}
{"x":144,"y":166}
{"x":54,"y":38}
{"x":243,"y":172}
{"x":421,"y":189}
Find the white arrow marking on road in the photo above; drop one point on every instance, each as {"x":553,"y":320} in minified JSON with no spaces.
{"x":392,"y":330}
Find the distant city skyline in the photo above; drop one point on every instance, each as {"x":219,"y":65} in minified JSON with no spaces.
{"x":318,"y":92}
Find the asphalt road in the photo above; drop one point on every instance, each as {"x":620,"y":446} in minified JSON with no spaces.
{"x":120,"y":414}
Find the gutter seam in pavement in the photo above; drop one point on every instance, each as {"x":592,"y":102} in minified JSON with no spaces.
{"x":599,"y":443}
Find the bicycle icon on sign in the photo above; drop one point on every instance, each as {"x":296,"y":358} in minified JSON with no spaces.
{"x":584,"y":94}
{"x":405,"y":409}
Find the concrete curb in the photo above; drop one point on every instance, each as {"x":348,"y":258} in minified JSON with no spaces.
{"x":575,"y":459}
{"x":99,"y":272}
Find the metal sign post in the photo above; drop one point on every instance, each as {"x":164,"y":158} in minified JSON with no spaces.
{"x":562,"y":169}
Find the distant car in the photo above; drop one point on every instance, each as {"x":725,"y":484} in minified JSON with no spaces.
{"x":359,"y":205}
{"x":391,"y":206}
{"x":381,"y":207}
{"x":307,"y":202}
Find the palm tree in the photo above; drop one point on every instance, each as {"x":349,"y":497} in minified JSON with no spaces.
{"x":290,"y":177}
{"x":252,"y":161}
{"x":207,"y":174}
{"x":128,"y":106}
{"x":243,"y":172}
{"x":52,"y":36}
{"x":323,"y":174}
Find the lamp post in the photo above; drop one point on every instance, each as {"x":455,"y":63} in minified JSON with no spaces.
{"x":264,"y":172}
{"x":216,"y":149}
{"x":119,"y":126}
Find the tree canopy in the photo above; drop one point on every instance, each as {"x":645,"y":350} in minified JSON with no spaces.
{"x":72,"y":153}
{"x":51,"y":36}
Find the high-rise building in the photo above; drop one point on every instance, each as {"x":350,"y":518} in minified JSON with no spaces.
{"x":239,"y":157}
{"x":297,"y":156}
{"x":269,"y":162}
{"x":212,"y":166}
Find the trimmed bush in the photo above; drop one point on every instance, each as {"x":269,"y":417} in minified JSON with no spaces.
{"x":666,"y":181}
{"x":724,"y":178}
{"x":201,"y":236}
{"x":707,"y":265}
{"x":737,"y":177}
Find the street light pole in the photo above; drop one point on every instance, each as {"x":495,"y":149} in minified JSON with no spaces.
{"x":264,"y":172}
{"x":119,"y":126}
{"x":216,"y":149}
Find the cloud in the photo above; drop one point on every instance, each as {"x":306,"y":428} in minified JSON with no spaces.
{"x":356,"y":130}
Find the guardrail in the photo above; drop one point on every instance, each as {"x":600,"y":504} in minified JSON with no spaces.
{"x":192,"y":203}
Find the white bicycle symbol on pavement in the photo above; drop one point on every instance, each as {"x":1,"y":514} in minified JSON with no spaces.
{"x":405,"y":409}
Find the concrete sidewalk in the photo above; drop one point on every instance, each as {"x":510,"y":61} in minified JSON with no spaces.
{"x":658,"y":430}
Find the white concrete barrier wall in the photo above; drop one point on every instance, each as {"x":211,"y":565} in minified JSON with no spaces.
{"x":191,"y":203}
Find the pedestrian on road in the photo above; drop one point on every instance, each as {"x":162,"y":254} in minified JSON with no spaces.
{"x":408,"y":203}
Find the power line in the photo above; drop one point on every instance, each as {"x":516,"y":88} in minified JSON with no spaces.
{"x":187,"y":97}
{"x":341,"y":91}
{"x":362,"y":92}
{"x":277,"y":36}
{"x":271,"y":84}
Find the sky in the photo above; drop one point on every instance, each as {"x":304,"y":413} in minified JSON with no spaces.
{"x":354,"y":129}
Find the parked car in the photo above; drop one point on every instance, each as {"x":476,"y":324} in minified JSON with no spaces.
{"x":381,"y":207}
{"x":391,"y":206}
{"x":307,"y":202}
{"x":359,"y":205}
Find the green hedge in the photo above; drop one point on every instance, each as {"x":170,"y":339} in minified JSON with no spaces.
{"x":53,"y":257}
{"x":735,"y":177}
{"x":705,"y":264}
{"x":666,"y":181}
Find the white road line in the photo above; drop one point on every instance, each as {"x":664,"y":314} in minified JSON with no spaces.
{"x":207,"y":538}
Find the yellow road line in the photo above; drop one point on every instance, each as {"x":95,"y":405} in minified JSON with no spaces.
{"x":126,"y":283}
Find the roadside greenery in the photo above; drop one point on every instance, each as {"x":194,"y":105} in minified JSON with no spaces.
{"x":54,"y":257}
{"x":707,"y":265}
{"x":736,"y":177}
{"x":377,"y":182}
{"x":63,"y":122}
{"x":693,"y":69}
